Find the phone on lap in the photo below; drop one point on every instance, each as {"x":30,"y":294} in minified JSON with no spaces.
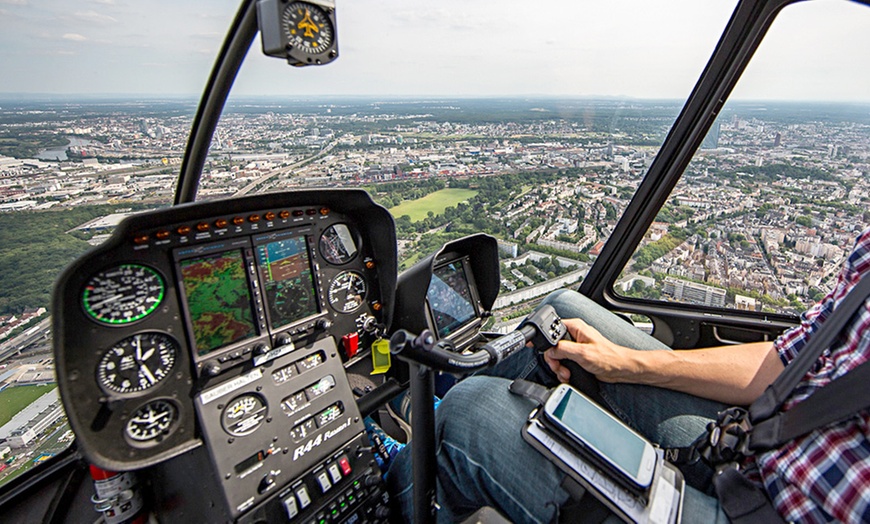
{"x":601,"y":437}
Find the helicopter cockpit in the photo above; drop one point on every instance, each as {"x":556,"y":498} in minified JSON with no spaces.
{"x":217,"y":358}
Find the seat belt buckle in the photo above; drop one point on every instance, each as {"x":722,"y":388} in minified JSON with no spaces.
{"x":726,"y":441}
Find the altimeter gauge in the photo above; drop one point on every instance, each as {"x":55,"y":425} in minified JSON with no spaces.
{"x":137,"y":363}
{"x":347,"y":291}
{"x":151,"y":422}
{"x":123,"y":294}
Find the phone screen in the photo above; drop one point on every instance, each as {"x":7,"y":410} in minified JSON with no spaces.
{"x":599,"y":430}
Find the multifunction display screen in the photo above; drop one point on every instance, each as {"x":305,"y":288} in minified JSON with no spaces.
{"x":218,"y":299}
{"x":288,"y":282}
{"x":450,"y":298}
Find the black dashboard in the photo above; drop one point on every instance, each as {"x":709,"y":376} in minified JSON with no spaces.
{"x":233,"y":324}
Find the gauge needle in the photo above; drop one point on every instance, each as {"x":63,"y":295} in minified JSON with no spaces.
{"x":138,"y":349}
{"x":148,"y":354}
{"x":147,"y":372}
{"x":98,"y":305}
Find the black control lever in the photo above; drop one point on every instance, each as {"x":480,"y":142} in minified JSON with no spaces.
{"x":550,"y":330}
{"x":543,"y":329}
{"x":547,"y":328}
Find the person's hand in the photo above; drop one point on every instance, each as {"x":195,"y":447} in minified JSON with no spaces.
{"x":596,"y":354}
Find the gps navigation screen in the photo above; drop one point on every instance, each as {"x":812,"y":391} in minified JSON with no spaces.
{"x":450,"y":298}
{"x":218,"y":299}
{"x":288,"y":283}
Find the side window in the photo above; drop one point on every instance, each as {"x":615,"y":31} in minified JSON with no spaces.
{"x":771,"y":202}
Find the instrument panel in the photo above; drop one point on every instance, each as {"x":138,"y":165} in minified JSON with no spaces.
{"x":228,"y":323}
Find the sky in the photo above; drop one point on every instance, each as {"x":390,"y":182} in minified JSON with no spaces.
{"x":817,"y":50}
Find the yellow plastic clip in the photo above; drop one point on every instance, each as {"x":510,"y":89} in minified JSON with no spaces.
{"x":380,"y":356}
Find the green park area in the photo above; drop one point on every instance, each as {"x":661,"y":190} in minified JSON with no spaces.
{"x":435,"y":202}
{"x":14,"y":399}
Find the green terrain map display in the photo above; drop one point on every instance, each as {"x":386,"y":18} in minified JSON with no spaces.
{"x":218,"y":300}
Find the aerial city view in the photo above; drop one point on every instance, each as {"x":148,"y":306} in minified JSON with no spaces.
{"x":761,"y":221}
{"x":744,"y":229}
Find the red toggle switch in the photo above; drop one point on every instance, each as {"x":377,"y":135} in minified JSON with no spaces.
{"x":344,"y":464}
{"x":351,"y":344}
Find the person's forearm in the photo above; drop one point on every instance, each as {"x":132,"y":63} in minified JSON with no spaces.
{"x":731,"y":374}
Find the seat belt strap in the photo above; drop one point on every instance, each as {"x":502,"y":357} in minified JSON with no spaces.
{"x":842,"y":398}
{"x":775,"y":395}
{"x":743,"y":501}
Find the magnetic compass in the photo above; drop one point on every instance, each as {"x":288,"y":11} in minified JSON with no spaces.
{"x":123,"y":294}
{"x":137,"y":363}
{"x":308,"y":27}
{"x":347,"y":291}
{"x":151,"y":422}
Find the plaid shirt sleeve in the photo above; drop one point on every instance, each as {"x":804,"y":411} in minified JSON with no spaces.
{"x":825,"y":476}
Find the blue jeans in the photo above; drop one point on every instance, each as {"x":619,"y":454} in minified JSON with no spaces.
{"x":483,"y":460}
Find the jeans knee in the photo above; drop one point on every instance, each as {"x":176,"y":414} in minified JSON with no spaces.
{"x":568,"y":303}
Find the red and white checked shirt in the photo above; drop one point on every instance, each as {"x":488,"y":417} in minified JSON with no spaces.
{"x":825,"y":475}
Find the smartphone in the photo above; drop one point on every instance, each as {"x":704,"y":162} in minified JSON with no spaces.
{"x":601,"y":436}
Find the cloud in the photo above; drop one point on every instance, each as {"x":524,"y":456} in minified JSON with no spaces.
{"x":104,"y":2}
{"x":94,"y":17}
{"x":211,"y":37}
{"x":75,"y":37}
{"x":15,"y":2}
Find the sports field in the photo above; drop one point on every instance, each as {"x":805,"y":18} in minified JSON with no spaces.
{"x":435,"y":202}
{"x":14,"y":399}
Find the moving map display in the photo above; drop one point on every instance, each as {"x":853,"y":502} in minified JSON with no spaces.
{"x":218,"y":300}
{"x":288,"y":283}
{"x":449,"y":297}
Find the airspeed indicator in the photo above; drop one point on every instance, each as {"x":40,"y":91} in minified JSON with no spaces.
{"x":123,"y":294}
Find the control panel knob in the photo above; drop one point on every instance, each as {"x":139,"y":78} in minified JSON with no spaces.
{"x":212,"y":369}
{"x":283,"y":339}
{"x":372,"y":479}
{"x":261,"y":349}
{"x":382,"y":512}
{"x":267,"y":482}
{"x":370,"y":324}
{"x":324,"y":324}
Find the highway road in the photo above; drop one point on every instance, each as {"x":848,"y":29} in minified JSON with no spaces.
{"x":29,"y":336}
{"x":250,"y":187}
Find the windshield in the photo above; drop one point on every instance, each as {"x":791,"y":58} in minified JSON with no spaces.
{"x":532,"y":123}
{"x":96,"y":102}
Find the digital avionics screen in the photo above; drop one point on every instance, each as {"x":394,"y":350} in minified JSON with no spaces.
{"x":288,"y":283}
{"x":218,"y":300}
{"x":449,"y":298}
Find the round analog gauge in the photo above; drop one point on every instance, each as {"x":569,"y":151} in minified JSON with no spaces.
{"x":137,"y":363}
{"x":347,"y":291}
{"x":308,"y":27}
{"x":244,"y":415}
{"x":123,"y":294}
{"x":337,"y":245}
{"x":151,"y":422}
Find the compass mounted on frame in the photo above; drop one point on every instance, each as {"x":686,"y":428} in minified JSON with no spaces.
{"x":303,"y":32}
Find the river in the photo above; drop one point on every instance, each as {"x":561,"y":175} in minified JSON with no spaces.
{"x":59,"y":152}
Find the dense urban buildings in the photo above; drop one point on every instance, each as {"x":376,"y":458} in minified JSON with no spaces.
{"x":761,"y":220}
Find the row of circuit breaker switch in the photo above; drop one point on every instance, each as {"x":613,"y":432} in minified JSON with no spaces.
{"x":326,"y":478}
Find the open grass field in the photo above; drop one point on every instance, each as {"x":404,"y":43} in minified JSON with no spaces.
{"x":435,"y":202}
{"x":14,"y":399}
